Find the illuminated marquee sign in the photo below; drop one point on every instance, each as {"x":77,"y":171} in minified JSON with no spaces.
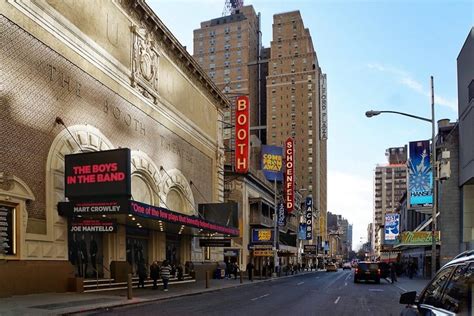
{"x":96,"y":174}
{"x":242,"y":137}
{"x":289,"y":175}
{"x":158,"y":213}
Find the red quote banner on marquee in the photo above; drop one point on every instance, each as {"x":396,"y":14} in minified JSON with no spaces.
{"x":242,"y":139}
{"x":289,"y":175}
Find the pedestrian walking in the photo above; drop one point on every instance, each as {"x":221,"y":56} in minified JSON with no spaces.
{"x":235,"y":270}
{"x":155,"y":273}
{"x":393,"y":273}
{"x":165,"y":272}
{"x":250,"y":267}
{"x":141,"y":274}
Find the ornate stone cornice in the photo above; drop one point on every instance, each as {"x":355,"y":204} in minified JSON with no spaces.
{"x":152,"y":29}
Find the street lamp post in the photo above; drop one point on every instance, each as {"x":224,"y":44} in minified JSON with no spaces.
{"x":434,"y":169}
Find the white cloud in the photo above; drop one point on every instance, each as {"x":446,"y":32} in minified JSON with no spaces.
{"x":351,"y":196}
{"x":405,"y":79}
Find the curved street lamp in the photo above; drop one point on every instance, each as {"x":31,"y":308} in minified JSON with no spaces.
{"x":372,"y":113}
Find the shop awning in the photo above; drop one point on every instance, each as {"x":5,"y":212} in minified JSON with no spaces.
{"x":114,"y":208}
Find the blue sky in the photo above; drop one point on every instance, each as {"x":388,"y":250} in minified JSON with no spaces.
{"x":377,"y":55}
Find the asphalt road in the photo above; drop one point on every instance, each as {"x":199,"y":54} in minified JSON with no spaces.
{"x":319,"y":293}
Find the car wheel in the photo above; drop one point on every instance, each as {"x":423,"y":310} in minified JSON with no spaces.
{"x":377,"y":281}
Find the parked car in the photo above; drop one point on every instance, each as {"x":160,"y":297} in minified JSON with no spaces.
{"x":367,"y":271}
{"x":331,"y":267}
{"x":448,"y":293}
{"x":346,"y":265}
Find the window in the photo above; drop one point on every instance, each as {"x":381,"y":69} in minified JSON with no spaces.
{"x":212,"y":66}
{"x":432,"y":294}
{"x":211,"y":49}
{"x":457,"y":295}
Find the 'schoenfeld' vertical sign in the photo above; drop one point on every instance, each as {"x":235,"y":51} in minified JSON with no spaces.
{"x":289,"y":175}
{"x":242,"y":144}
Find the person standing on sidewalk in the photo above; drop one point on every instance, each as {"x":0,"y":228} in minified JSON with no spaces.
{"x":165,"y":272}
{"x":141,"y":274}
{"x":154,"y":274}
{"x":250,"y":270}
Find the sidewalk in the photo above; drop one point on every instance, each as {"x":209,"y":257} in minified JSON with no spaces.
{"x":71,"y":303}
{"x":416,"y":284}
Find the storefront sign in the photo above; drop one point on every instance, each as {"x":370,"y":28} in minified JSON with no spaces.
{"x":158,"y":213}
{"x":263,"y":253}
{"x":260,"y":235}
{"x":242,"y":137}
{"x":214,"y":242}
{"x":419,"y":238}
{"x":420,"y":176}
{"x":309,"y":249}
{"x":281,"y":214}
{"x":97,"y":174}
{"x":7,"y":230}
{"x":323,"y":108}
{"x":309,"y":218}
{"x":106,"y":206}
{"x":93,"y":226}
{"x":272,"y":162}
{"x":260,"y":246}
{"x":289,"y":175}
{"x":392,"y":223}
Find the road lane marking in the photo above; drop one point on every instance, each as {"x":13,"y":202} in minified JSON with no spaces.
{"x":300,"y":283}
{"x":345,"y":284}
{"x":256,"y":298}
{"x":348,"y":276}
{"x":317,"y":277}
{"x":337,"y":300}
{"x":375,"y":290}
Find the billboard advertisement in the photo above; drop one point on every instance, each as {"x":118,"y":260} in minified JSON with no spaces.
{"x":392,"y":227}
{"x":281,"y":214}
{"x":302,"y":231}
{"x":242,"y":137}
{"x":261,"y":235}
{"x":420,"y":238}
{"x":96,"y":174}
{"x":420,"y":176}
{"x":272,"y":162}
{"x":289,"y":175}
{"x":309,"y":218}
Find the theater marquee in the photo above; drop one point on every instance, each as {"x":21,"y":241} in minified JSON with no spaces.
{"x":242,"y":137}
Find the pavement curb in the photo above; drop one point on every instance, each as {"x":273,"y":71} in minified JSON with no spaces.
{"x":137,"y":301}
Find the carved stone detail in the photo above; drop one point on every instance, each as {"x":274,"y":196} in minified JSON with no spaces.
{"x":145,"y":61}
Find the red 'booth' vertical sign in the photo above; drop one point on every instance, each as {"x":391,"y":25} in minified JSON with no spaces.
{"x":242,"y":139}
{"x":289,"y":175}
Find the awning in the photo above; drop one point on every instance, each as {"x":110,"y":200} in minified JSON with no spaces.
{"x":121,"y":209}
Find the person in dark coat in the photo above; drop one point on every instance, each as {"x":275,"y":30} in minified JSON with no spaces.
{"x":141,"y":274}
{"x":235,"y":269}
{"x":93,"y":249}
{"x":393,"y":273}
{"x":154,"y":273}
{"x":83,"y":256}
{"x":250,"y":267}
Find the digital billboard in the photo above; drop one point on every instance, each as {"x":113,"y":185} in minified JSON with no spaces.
{"x":420,"y":176}
{"x":392,"y":227}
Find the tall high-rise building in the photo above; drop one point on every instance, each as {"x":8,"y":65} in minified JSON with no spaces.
{"x":229,"y":49}
{"x":297,"y":108}
{"x":389,"y":187}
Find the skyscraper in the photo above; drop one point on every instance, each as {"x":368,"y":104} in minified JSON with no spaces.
{"x":390,"y":185}
{"x":297,"y":108}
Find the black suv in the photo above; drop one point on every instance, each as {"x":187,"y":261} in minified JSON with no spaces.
{"x":450,"y":292}
{"x":367,"y":271}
